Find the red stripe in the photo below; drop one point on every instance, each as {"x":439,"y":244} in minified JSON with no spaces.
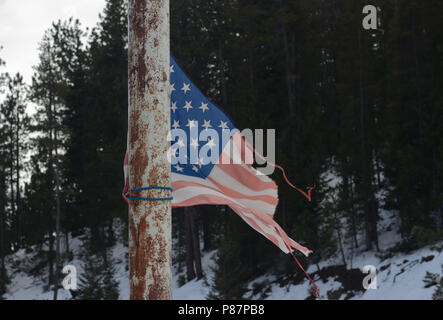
{"x":211,"y":199}
{"x":203,"y":199}
{"x":246,"y":177}
{"x":228,"y":191}
{"x":177,"y":185}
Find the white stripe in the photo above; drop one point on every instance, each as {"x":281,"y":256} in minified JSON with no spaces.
{"x":225,"y":179}
{"x":264,"y":229}
{"x":187,"y":193}
{"x":182,"y":177}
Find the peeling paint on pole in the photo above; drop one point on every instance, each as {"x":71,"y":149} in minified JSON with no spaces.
{"x":149,"y":124}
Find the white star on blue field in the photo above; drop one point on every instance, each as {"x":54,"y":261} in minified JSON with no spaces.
{"x":189,"y":107}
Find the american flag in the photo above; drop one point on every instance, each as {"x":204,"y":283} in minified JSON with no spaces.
{"x":196,"y":181}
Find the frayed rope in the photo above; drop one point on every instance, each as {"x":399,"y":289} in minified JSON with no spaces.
{"x":149,"y":199}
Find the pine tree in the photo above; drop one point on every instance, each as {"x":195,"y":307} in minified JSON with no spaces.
{"x":3,"y":275}
{"x":96,"y":112}
{"x":15,"y":126}
{"x":90,"y":286}
{"x":412,"y":126}
{"x":97,"y":280}
{"x":48,"y":92}
{"x":435,"y":279}
{"x":4,"y":279}
{"x":3,"y":200}
{"x":2,"y":76}
{"x":438,"y":294}
{"x":229,"y":281}
{"x":110,"y":284}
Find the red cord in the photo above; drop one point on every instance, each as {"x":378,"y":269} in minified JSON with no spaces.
{"x":308,"y":195}
{"x":314,"y":291}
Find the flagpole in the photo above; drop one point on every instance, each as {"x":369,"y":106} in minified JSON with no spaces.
{"x":150,"y":268}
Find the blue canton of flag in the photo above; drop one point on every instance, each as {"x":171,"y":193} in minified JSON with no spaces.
{"x":192,"y":112}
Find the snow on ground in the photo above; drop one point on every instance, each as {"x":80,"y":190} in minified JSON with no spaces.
{"x":195,"y":289}
{"x":398,"y":278}
{"x":399,"y":275}
{"x":25,"y":287}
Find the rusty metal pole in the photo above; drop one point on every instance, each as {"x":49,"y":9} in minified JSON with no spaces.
{"x":149,"y":123}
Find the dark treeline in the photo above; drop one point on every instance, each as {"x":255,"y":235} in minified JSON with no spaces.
{"x":357,"y":112}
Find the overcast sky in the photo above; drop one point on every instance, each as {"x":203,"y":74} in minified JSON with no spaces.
{"x":23,"y":22}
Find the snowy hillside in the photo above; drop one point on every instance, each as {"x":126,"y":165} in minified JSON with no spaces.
{"x":399,"y":275}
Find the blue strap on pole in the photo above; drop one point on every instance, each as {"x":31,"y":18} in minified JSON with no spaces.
{"x":151,"y":199}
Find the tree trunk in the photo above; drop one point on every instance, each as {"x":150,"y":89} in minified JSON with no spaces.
{"x":377,"y":168}
{"x":196,"y":242}
{"x":371,"y":210}
{"x":251,"y":78}
{"x":50,"y":259}
{"x":223,"y":74}
{"x":189,"y":246}
{"x":221,"y":60}
{"x":57,"y":220}
{"x":290,"y":65}
{"x":67,"y":240}
{"x":110,"y":233}
{"x":340,"y":242}
{"x":291,"y":86}
{"x":206,"y":232}
{"x":353,"y":212}
{"x":17,"y":181}
{"x":2,"y":243}
{"x":103,"y":240}
{"x":435,"y":192}
{"x":11,"y":185}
